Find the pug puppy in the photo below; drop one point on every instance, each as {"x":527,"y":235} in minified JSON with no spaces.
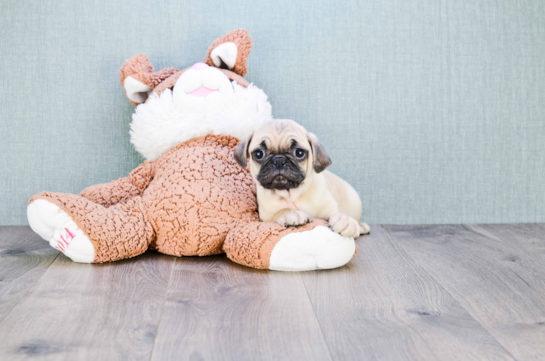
{"x":288,"y":164}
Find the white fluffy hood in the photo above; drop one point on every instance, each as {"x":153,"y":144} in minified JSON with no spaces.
{"x":165,"y":121}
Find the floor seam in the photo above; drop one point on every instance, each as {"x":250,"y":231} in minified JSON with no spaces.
{"x":30,"y":288}
{"x":162,"y":308}
{"x":448,"y":292}
{"x":517,"y":247}
{"x":316,"y":316}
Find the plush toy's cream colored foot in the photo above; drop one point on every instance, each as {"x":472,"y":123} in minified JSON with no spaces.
{"x":319,"y":248}
{"x":58,"y":228}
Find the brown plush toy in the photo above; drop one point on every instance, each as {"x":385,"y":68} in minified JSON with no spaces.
{"x":190,"y":198}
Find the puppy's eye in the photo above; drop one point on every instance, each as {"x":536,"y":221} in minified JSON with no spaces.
{"x":300,"y":153}
{"x":258,"y":154}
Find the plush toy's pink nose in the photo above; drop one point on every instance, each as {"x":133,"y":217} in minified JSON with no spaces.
{"x":199,"y":66}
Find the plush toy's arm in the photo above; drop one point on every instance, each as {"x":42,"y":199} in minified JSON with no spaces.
{"x":267,"y":245}
{"x":123,"y":189}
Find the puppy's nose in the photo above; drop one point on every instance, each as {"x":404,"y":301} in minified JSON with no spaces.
{"x":199,"y":66}
{"x":279,"y":161}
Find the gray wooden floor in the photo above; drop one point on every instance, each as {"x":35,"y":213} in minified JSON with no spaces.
{"x":448,"y":292}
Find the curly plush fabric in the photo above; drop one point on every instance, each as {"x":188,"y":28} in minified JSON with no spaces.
{"x":193,"y":200}
{"x":198,"y":195}
{"x":122,"y":190}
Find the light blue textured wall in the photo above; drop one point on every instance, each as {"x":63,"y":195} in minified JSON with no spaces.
{"x":433,"y":110}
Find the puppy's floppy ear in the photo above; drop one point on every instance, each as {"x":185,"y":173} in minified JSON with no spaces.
{"x":321,"y":159}
{"x":241,"y":153}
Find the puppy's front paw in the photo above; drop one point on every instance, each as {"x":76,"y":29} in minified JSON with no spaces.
{"x":292,"y":218}
{"x":344,"y":225}
{"x":364,"y":228}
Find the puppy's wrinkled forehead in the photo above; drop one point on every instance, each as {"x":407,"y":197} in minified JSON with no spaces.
{"x":279,"y":135}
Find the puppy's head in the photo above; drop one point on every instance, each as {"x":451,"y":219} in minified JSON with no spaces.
{"x":282,"y":154}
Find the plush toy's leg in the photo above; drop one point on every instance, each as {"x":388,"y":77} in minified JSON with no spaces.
{"x":267,"y":245}
{"x":87,"y":232}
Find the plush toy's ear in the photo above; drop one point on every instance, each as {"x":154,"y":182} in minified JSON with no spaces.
{"x":136,"y":91}
{"x":139,"y":78}
{"x":230,"y":52}
{"x":241,"y":153}
{"x":321,"y":159}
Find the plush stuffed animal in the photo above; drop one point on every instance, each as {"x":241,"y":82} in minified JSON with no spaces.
{"x":190,"y":198}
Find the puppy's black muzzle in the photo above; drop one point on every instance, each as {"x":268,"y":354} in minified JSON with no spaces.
{"x":280,"y":172}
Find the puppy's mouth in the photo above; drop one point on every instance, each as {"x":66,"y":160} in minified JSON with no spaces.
{"x":279,"y":180}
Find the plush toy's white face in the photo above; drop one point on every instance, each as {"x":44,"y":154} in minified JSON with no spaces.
{"x":203,"y":101}
{"x":202,"y":84}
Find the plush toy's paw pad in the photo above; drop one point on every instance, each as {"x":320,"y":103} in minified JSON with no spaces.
{"x":344,"y":225}
{"x":319,"y":248}
{"x":293,"y":218}
{"x":58,"y":228}
{"x":364,"y":228}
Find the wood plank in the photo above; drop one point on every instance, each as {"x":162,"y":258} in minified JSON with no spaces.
{"x":24,"y":258}
{"x":530,"y":238}
{"x":507,"y":297}
{"x":95,"y":312}
{"x":218,"y":310}
{"x":383,"y":306}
